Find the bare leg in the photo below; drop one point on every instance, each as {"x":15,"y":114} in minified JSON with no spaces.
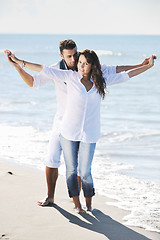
{"x":89,"y":204}
{"x":51,"y":178}
{"x":78,"y":204}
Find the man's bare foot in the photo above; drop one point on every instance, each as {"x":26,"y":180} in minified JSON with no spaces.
{"x":46,"y":202}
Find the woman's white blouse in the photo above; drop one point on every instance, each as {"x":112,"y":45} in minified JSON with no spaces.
{"x":81,"y":120}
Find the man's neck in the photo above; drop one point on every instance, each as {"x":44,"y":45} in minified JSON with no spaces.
{"x":71,"y":68}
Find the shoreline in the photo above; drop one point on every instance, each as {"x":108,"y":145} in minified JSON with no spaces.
{"x":22,"y":218}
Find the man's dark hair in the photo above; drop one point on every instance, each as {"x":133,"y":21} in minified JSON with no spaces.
{"x":66,"y":44}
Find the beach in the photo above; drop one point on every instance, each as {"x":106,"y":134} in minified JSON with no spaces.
{"x":23,"y":219}
{"x":126,"y":166}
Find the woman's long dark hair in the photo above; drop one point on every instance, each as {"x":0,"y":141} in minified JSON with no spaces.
{"x":96,"y":72}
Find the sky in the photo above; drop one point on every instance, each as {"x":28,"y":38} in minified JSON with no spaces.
{"x":80,"y":16}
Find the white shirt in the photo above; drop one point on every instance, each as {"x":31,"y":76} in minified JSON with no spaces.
{"x":81,"y":120}
{"x":61,"y":89}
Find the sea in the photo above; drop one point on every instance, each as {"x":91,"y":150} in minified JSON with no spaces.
{"x":126,"y":166}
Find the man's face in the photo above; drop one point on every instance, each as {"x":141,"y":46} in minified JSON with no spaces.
{"x":70,"y":57}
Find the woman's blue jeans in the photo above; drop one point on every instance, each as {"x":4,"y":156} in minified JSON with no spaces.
{"x":78,"y":154}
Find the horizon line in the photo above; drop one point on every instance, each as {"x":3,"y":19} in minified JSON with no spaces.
{"x":114,"y":34}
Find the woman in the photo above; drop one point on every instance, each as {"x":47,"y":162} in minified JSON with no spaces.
{"x":80,"y":127}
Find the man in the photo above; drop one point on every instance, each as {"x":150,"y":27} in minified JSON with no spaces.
{"x":68,"y":53}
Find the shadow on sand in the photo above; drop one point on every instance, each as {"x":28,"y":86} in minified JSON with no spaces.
{"x":103,"y":224}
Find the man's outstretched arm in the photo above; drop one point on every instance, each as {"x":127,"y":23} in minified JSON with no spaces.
{"x":32,"y":66}
{"x":121,"y":68}
{"x":136,"y":71}
{"x":24,"y":75}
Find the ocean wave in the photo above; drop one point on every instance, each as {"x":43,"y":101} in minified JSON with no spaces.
{"x":8,"y":103}
{"x":28,"y":145}
{"x":48,"y":50}
{"x":107,"y":52}
{"x":139,"y":197}
{"x":24,"y":144}
{"x":126,"y":136}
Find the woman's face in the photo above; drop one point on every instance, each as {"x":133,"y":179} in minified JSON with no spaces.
{"x":84,"y":68}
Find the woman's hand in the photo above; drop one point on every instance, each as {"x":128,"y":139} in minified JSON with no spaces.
{"x":12,"y":56}
{"x":33,"y":66}
{"x":10,"y":60}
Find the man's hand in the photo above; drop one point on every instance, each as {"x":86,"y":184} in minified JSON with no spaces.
{"x":146,"y":61}
{"x":151,"y":60}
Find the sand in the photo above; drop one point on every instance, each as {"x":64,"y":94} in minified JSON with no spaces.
{"x":22,"y":219}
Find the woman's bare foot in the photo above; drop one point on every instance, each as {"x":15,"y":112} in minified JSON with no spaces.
{"x":80,"y":210}
{"x":89,"y":209}
{"x":46,"y":202}
{"x":78,"y":206}
{"x":89,"y":204}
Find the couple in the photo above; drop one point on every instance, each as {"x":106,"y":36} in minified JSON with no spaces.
{"x":76,"y":126}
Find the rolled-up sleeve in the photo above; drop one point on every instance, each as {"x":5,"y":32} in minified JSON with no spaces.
{"x":41,"y":78}
{"x":116,"y":78}
{"x":108,"y":69}
{"x":50,"y":74}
